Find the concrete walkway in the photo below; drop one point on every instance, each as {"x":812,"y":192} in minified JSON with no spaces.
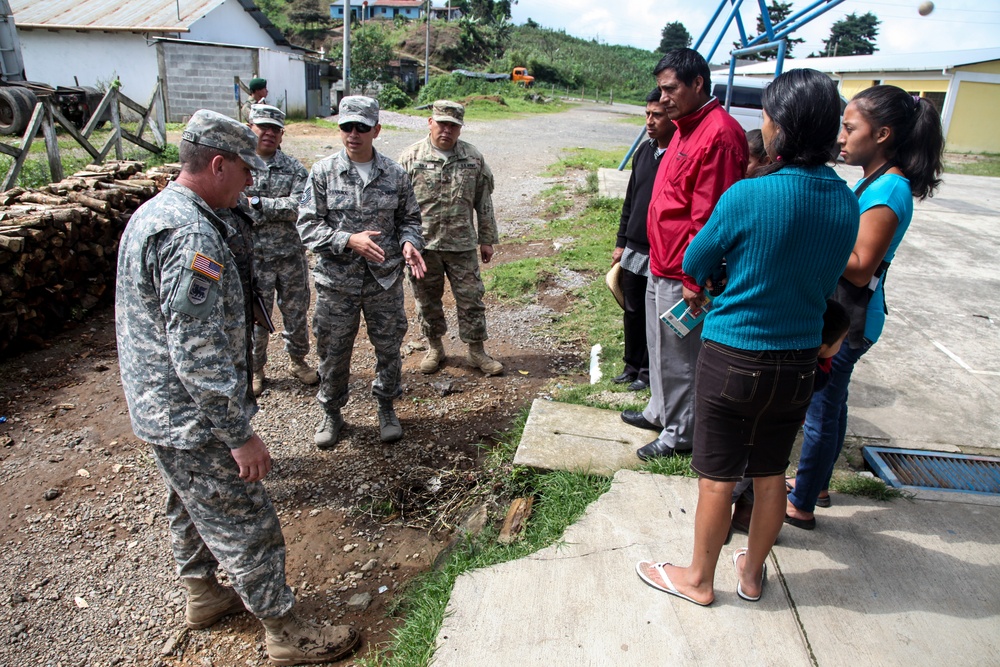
{"x":901,"y":583}
{"x":911,"y":582}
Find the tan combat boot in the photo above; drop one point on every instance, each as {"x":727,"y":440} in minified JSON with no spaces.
{"x":300,"y":369}
{"x":478,"y":358}
{"x":258,"y":382}
{"x":293,"y":641}
{"x":207,"y":602}
{"x":435,"y":356}
{"x":388,"y":424}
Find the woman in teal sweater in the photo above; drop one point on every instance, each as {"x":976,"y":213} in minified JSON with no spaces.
{"x":786,"y":237}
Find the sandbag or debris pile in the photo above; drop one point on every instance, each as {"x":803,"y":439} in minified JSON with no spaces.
{"x":59,"y":246}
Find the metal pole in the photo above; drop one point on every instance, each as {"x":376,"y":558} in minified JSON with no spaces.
{"x":427,"y":46}
{"x":347,"y":47}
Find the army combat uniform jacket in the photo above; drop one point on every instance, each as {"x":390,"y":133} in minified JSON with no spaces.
{"x":280,"y":189}
{"x":181,"y":325}
{"x":448,"y":191}
{"x":336,"y":204}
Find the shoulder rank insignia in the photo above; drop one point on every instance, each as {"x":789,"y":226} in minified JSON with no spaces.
{"x":206,"y":266}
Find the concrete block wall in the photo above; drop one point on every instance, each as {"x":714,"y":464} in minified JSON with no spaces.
{"x":200,"y":76}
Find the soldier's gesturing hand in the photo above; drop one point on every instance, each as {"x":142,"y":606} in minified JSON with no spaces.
{"x":363,"y":244}
{"x":414,"y":260}
{"x":253,"y":459}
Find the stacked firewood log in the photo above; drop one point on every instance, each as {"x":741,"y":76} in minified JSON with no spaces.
{"x":59,"y":246}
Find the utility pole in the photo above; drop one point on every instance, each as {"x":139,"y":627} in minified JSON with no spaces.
{"x":427,"y":46}
{"x":347,"y":47}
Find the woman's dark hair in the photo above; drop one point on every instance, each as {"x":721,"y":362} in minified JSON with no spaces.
{"x":755,"y":142}
{"x":805,"y":107}
{"x":687,"y":64}
{"x":654,"y":96}
{"x":836,"y":322}
{"x":916,"y":140}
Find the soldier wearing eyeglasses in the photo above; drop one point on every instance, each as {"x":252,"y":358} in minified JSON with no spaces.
{"x":280,"y":265}
{"x":359,"y":215}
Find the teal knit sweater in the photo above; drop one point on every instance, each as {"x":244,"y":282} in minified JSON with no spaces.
{"x":786,"y":238}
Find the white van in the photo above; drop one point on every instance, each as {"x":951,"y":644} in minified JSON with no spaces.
{"x":746,"y":106}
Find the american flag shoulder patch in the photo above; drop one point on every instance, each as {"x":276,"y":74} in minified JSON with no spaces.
{"x":206,"y":266}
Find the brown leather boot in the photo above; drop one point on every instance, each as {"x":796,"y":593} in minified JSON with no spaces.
{"x":293,"y":641}
{"x":435,"y":356}
{"x":208,"y":602}
{"x":478,"y":358}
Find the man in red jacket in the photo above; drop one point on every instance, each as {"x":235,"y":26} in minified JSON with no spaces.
{"x":706,"y":155}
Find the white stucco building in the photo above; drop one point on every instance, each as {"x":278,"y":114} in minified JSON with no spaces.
{"x":196,"y":47}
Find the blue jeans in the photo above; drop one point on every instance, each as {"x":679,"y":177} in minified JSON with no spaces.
{"x":824,"y":431}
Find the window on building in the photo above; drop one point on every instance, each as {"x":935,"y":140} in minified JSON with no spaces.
{"x":937,"y":99}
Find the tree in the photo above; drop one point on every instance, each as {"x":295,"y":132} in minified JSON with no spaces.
{"x":853,"y":35}
{"x":778,"y":12}
{"x":371,"y":52}
{"x":309,"y":13}
{"x":674,"y":36}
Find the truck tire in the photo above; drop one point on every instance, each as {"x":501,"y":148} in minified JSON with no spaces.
{"x":28,"y":97}
{"x":14,"y":115}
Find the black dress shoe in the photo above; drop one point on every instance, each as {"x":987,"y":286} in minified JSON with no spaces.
{"x":658,"y":449}
{"x":804,"y":524}
{"x":624,"y":378}
{"x":635,"y":418}
{"x":638,"y":385}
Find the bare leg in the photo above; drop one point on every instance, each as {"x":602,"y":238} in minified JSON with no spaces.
{"x":765,"y":524}
{"x":711,"y":526}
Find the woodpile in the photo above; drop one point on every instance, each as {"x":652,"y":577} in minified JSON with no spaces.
{"x":59,"y":246}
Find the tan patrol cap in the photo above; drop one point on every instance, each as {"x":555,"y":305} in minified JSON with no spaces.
{"x":446,"y":111}
{"x":211,"y":128}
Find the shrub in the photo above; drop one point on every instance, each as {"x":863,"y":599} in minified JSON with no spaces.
{"x":392,"y":97}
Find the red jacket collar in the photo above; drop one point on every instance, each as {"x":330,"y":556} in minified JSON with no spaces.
{"x":687,"y":123}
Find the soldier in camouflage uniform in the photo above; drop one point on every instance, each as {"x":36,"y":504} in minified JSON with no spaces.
{"x":182,"y":345}
{"x":359,"y":215}
{"x":258,"y":95}
{"x":279,"y":257}
{"x":452,"y":182}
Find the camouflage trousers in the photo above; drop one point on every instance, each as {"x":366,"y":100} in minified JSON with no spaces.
{"x":288,"y":277}
{"x":462,"y":269}
{"x":218,"y":519}
{"x":336,"y":323}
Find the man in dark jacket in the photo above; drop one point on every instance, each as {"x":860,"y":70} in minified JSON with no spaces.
{"x":632,"y":247}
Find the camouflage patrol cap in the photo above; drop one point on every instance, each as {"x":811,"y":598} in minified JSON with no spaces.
{"x":212,"y":129}
{"x":265,"y":114}
{"x":358,"y":109}
{"x":446,"y":111}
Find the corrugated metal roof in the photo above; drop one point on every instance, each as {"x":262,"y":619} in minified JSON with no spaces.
{"x":903,"y":62}
{"x":138,"y":15}
{"x":417,"y":4}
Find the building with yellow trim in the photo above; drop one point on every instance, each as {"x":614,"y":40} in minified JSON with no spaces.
{"x":965,"y":86}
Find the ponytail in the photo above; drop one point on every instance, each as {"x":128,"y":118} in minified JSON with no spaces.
{"x":918,"y":140}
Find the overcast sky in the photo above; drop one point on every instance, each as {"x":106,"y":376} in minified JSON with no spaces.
{"x":954,"y":24}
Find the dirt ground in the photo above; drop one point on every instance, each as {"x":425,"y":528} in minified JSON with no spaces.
{"x":85,"y":548}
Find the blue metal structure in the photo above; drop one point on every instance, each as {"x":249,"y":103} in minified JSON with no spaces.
{"x":774,"y":36}
{"x":941,"y":471}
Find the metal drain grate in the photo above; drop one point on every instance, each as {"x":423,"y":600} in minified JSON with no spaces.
{"x":934,"y":470}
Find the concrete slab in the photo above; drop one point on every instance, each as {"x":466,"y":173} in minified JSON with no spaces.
{"x":903,"y":583}
{"x":560,"y":436}
{"x":613,"y":183}
{"x":581,"y":603}
{"x":907,"y":582}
